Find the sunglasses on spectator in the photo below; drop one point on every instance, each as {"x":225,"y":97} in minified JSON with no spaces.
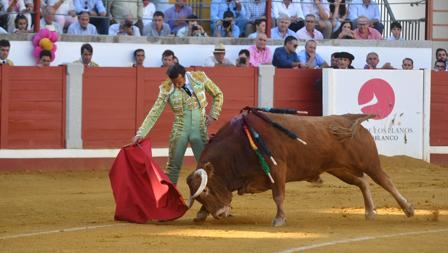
{"x":440,"y":66}
{"x":309,"y":21}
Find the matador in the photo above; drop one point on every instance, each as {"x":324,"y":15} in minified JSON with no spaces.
{"x":186,"y":94}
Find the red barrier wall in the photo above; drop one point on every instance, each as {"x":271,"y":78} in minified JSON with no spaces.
{"x":116,"y":100}
{"x":32,"y":107}
{"x":439,"y":114}
{"x":299,"y":89}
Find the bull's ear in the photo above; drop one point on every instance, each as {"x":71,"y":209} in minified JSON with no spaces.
{"x":208,"y":167}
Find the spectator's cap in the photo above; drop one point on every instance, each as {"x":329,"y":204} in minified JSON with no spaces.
{"x":345,"y":55}
{"x":219,"y":49}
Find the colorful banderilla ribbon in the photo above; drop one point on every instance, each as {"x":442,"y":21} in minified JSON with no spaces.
{"x":264,"y":149}
{"x":264,"y":164}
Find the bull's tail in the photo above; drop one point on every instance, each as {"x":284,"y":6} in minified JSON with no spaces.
{"x":350,"y":132}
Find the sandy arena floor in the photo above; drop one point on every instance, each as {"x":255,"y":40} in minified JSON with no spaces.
{"x":36,"y":207}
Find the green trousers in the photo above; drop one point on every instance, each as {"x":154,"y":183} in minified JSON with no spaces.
{"x":190,"y":129}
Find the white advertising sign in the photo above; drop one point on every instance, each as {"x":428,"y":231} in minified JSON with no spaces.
{"x":395,"y":96}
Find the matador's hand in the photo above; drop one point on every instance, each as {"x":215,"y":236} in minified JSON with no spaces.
{"x":137,"y":139}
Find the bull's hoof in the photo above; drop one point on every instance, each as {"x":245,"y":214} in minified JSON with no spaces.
{"x":201,"y":216}
{"x":370,"y":215}
{"x":409,"y":210}
{"x":277,"y":222}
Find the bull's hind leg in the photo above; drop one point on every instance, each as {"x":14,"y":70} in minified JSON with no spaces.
{"x":380,"y":177}
{"x":363,"y":186}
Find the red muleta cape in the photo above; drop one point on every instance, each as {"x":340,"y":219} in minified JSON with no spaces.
{"x":142,"y":192}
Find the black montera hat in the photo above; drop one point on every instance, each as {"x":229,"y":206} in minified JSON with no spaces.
{"x":344,"y":55}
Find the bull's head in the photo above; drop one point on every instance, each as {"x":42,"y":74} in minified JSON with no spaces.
{"x":210,"y":191}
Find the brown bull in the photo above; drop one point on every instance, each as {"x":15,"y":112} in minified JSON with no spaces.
{"x":339,"y":145}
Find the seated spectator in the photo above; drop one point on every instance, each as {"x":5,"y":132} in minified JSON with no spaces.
{"x":286,"y":56}
{"x":345,"y":31}
{"x":157,"y":28}
{"x":120,"y":9}
{"x":168,"y":58}
{"x":218,"y":58}
{"x":334,"y":60}
{"x":441,"y":55}
{"x":192,"y":29}
{"x":281,"y":31}
{"x":365,"y":32}
{"x":12,"y":8}
{"x":338,"y":13}
{"x":48,"y":20}
{"x":308,"y":57}
{"x":290,"y":9}
{"x":372,"y":61}
{"x":139,"y":58}
{"x":243,"y":58}
{"x":5,"y":46}
{"x":44,"y":58}
{"x":82,"y":26}
{"x":309,"y":32}
{"x":65,"y":12}
{"x":260,"y":27}
{"x":255,"y":10}
{"x":366,"y":8}
{"x":218,"y":9}
{"x":176,"y":15}
{"x":21,"y":24}
{"x":97,"y":13}
{"x":259,"y":53}
{"x":344,"y":60}
{"x":395,"y":28}
{"x":227,"y":27}
{"x":149,"y":9}
{"x":321,"y":10}
{"x":124,"y":28}
{"x":407,"y":64}
{"x":86,"y":56}
{"x":440,"y":65}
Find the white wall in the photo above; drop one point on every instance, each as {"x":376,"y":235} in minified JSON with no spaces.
{"x":120,"y":54}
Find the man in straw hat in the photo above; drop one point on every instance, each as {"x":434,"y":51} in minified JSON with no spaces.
{"x":218,"y":58}
{"x":185,"y":92}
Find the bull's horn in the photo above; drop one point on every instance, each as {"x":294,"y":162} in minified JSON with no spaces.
{"x":204,"y":178}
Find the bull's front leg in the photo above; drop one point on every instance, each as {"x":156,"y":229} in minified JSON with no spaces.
{"x":202,"y":214}
{"x":278,"y":193}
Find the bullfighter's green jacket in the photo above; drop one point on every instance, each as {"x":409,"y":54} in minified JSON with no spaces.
{"x":179,"y":101}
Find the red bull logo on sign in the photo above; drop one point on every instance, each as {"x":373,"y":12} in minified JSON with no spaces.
{"x":376,"y":96}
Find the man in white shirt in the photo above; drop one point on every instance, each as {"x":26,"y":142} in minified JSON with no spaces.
{"x":48,"y":20}
{"x":281,"y":31}
{"x":82,"y":27}
{"x":125,"y":27}
{"x":290,"y":9}
{"x":367,"y":8}
{"x":321,"y":10}
{"x":309,"y":32}
{"x":148,"y":11}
